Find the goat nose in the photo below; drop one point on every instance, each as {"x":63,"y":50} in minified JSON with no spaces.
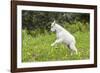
{"x":51,"y":29}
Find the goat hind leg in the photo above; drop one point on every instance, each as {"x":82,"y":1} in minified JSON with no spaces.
{"x":73,"y":48}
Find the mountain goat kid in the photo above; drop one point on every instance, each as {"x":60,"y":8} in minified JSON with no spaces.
{"x":63,"y":36}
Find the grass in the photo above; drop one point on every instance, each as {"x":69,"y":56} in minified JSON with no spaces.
{"x":38,"y":48}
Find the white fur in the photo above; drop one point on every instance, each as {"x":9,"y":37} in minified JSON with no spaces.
{"x":63,"y":36}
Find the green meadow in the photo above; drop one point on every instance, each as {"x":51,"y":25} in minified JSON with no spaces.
{"x":38,"y":48}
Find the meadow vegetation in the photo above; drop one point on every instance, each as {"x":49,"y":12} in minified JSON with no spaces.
{"x":37,"y":47}
{"x":37,"y":37}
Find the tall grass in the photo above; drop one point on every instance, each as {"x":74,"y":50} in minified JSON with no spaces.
{"x":37,"y":47}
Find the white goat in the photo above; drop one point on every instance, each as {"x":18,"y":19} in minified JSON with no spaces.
{"x":63,"y":36}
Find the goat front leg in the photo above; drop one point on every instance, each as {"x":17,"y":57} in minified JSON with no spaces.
{"x":57,"y":41}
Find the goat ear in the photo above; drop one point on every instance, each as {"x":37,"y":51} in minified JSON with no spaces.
{"x":54,"y":21}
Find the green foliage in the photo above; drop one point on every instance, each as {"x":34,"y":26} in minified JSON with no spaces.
{"x":41,"y":20}
{"x":76,"y":26}
{"x":38,"y":48}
